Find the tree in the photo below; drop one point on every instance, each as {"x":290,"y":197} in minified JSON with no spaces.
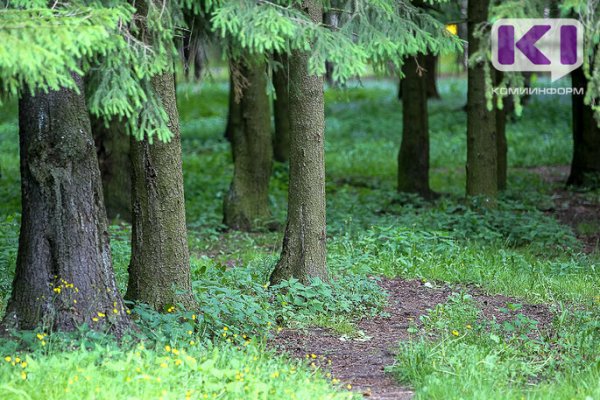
{"x":112,"y":146}
{"x":247,"y":202}
{"x":482,"y":158}
{"x":585,"y":164}
{"x":430,"y":63}
{"x":303,"y":255}
{"x":64,"y":272}
{"x":501,"y":143}
{"x":159,"y":271}
{"x":413,"y":158}
{"x":281,"y":110}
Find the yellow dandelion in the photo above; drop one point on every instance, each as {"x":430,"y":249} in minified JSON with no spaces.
{"x":455,"y":332}
{"x":163,"y":365}
{"x":101,"y":314}
{"x":349,"y":386}
{"x":469,"y":327}
{"x":40,"y":336}
{"x":23,"y":375}
{"x":24,"y":364}
{"x":168,"y":348}
{"x":8,"y":358}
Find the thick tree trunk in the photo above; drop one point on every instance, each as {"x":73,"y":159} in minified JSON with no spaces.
{"x":585,"y":165}
{"x":501,"y":143}
{"x":430,"y":62}
{"x":304,"y":245}
{"x":112,"y":145}
{"x":482,"y":159}
{"x":159,"y":272}
{"x":64,"y":274}
{"x":413,"y":158}
{"x":281,"y":111}
{"x":247,"y":203}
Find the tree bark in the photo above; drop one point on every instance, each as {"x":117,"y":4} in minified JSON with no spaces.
{"x":247,"y":202}
{"x":585,"y":164}
{"x":233,"y":112}
{"x":281,"y":111}
{"x":482,"y":159}
{"x":428,"y":65}
{"x":430,"y":62}
{"x":304,"y":245}
{"x":112,"y":146}
{"x":64,"y":274}
{"x":159,"y":272}
{"x":501,"y":143}
{"x":413,"y":158}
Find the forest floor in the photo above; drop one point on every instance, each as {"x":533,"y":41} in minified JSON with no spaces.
{"x":360,"y":361}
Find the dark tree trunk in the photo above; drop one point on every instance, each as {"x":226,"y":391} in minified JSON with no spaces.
{"x":482,"y":159}
{"x":501,"y":143}
{"x":64,"y":275}
{"x":112,"y":145}
{"x":304,"y":245}
{"x":413,"y":158}
{"x":281,"y":111}
{"x":233,"y":112}
{"x":247,"y":202}
{"x":428,"y":70}
{"x":159,"y":272}
{"x":585,"y":165}
{"x":430,"y":61}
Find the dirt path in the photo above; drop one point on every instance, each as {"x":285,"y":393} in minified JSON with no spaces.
{"x":361,"y":362}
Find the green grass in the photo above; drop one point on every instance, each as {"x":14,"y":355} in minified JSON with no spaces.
{"x":515,"y":250}
{"x":108,"y":372}
{"x":476,"y":358}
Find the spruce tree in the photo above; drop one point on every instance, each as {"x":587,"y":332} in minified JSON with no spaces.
{"x":482,"y":156}
{"x":247,"y":202}
{"x":64,"y":275}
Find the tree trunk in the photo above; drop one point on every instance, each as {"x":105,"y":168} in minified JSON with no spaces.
{"x":159,"y":272}
{"x":112,"y":145}
{"x":64,"y":274}
{"x":304,"y":245}
{"x":247,"y":202}
{"x":430,"y":62}
{"x":428,"y":65}
{"x":281,"y":111}
{"x":585,"y":165}
{"x":482,"y":159}
{"x":413,"y":158}
{"x":233,"y":112}
{"x":501,"y":144}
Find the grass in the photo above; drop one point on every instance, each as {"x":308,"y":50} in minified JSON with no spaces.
{"x":477,"y":358}
{"x":516,"y":250}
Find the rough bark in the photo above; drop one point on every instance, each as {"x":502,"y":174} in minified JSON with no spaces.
{"x":112,"y":146}
{"x":247,"y":202}
{"x":304,"y":245}
{"x":413,"y":158}
{"x":281,"y":111}
{"x":482,"y":159}
{"x":501,"y":143}
{"x":585,"y":164}
{"x":159,"y":272}
{"x":64,"y":274}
